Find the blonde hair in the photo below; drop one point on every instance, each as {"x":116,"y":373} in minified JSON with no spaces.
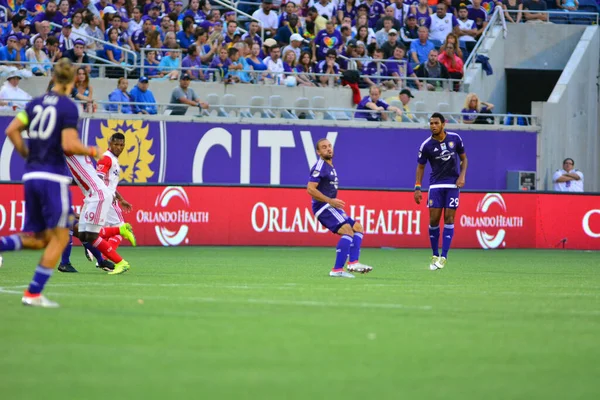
{"x":64,"y":72}
{"x":467,"y":105}
{"x":293,"y":64}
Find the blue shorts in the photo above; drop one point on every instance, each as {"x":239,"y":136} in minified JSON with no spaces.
{"x":333,"y":218}
{"x":47,"y":205}
{"x":443,"y":197}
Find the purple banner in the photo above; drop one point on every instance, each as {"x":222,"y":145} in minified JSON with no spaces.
{"x":190,"y":152}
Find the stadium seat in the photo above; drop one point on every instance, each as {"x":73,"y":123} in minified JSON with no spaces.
{"x":444,"y":108}
{"x":257,"y":104}
{"x":214,"y":105}
{"x":229,"y":102}
{"x":276,"y":102}
{"x":420,"y":109}
{"x":302,"y":109}
{"x":340,"y":114}
{"x":318,"y":102}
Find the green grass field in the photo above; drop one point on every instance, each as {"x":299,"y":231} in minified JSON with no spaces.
{"x":268,"y":323}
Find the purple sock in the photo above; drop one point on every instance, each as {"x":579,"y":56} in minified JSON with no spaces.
{"x":11,"y":243}
{"x":41,"y":276}
{"x":343,"y":248}
{"x":447,"y":239}
{"x":355,"y":247}
{"x":434,"y":238}
{"x":95,"y":252}
{"x":66,"y":255}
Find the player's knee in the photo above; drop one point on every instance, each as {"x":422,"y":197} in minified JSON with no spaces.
{"x":346,"y":229}
{"x":448,"y":220}
{"x":357,"y":227}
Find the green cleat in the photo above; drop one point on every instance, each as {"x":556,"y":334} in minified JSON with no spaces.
{"x":120,"y":268}
{"x":441,"y":263}
{"x":127,"y":232}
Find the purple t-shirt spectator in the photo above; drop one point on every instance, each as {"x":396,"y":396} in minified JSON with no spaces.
{"x":35,"y":5}
{"x":155,"y":21}
{"x":139,"y":38}
{"x":343,"y":9}
{"x":321,"y":67}
{"x":161,"y":5}
{"x":363,"y":112}
{"x":469,"y":114}
{"x":192,"y":62}
{"x":218,"y":63}
{"x":199,"y":16}
{"x":399,"y":68}
{"x":375,"y":11}
{"x":326,"y":41}
{"x":479,"y":16}
{"x":371,"y":70}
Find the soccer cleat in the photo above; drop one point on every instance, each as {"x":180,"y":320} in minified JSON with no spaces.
{"x":88,"y":255}
{"x":38,"y":301}
{"x":66,"y":268}
{"x":106,"y":265}
{"x":441,"y":262}
{"x":340,"y":274}
{"x":360,"y":268}
{"x":127,"y":232}
{"x":120,"y":268}
{"x":432,"y":265}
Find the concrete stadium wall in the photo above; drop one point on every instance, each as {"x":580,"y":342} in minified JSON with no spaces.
{"x":340,"y":97}
{"x":541,"y":46}
{"x":570,"y":121}
{"x":490,"y":88}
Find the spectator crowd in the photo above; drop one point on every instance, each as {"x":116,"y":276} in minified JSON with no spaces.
{"x":313,"y":41}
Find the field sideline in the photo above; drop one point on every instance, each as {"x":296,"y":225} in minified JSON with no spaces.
{"x":268,"y":323}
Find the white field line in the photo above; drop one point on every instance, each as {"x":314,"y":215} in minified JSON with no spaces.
{"x":307,"y":303}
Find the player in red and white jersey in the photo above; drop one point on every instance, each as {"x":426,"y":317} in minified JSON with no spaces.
{"x":94,"y":215}
{"x":109,"y":170}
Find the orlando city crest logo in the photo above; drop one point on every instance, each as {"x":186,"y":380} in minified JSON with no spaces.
{"x":137,"y":158}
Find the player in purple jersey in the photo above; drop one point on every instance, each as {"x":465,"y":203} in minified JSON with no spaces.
{"x":51,"y":122}
{"x":329,"y":210}
{"x":446,"y":155}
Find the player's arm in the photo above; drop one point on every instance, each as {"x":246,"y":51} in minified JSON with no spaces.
{"x":418,"y":179}
{"x":124,"y":203}
{"x":317,"y":195}
{"x":13,"y":131}
{"x":103,"y":167}
{"x":72,"y":145}
{"x":460,"y":182}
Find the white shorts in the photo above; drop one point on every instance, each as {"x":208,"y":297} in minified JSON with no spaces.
{"x":94,"y":212}
{"x":115,"y":216}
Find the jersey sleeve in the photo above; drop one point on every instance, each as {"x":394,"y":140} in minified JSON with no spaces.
{"x":460,"y":147}
{"x":315,"y":174}
{"x":103,"y":166}
{"x":422,"y":157}
{"x":70,"y":115}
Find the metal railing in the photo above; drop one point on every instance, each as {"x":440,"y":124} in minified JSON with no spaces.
{"x":497,"y":17}
{"x":144,"y":50}
{"x":592,"y":17}
{"x":5,"y":13}
{"x":233,"y":7}
{"x":127,"y":67}
{"x":244,"y":112}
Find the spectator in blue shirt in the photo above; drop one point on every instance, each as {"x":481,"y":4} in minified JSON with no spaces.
{"x":11,"y":52}
{"x":141,"y":94}
{"x":120,"y":95}
{"x":419,"y":49}
{"x":171,"y":64}
{"x":185,"y":37}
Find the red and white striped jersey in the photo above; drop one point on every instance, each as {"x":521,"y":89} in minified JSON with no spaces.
{"x":109,"y":171}
{"x":82,"y":169}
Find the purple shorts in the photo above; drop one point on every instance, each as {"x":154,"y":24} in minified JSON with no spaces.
{"x":333,"y":219}
{"x":47,"y":205}
{"x":443,"y":197}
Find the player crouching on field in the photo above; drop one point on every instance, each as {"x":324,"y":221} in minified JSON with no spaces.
{"x":323,"y":187}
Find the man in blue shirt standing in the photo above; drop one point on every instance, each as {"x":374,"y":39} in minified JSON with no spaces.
{"x":141,"y":94}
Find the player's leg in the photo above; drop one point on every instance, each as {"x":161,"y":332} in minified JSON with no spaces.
{"x":57,"y":216}
{"x":116,"y":229}
{"x":354,"y":265}
{"x":342,"y":251}
{"x":333,"y":220}
{"x":65,"y":260}
{"x":435,"y":202}
{"x":448,"y":234}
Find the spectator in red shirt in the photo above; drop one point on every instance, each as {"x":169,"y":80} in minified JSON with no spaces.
{"x":452,"y":62}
